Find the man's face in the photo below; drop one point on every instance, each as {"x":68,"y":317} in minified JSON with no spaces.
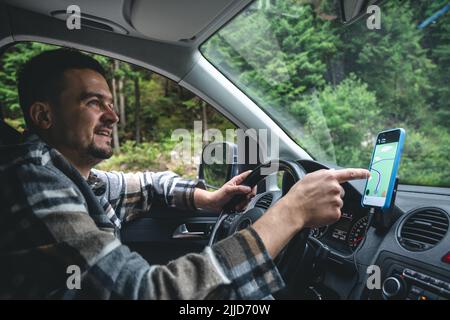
{"x":84,"y":118}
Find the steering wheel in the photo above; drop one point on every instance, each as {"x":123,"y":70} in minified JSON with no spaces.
{"x":230,"y":222}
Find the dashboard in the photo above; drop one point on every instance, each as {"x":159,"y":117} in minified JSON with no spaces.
{"x":346,"y":234}
{"x":411,"y":250}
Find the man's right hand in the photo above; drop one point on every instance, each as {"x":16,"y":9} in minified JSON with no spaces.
{"x":316,"y":200}
{"x":312,"y":202}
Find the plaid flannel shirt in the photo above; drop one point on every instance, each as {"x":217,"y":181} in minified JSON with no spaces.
{"x":46,"y":226}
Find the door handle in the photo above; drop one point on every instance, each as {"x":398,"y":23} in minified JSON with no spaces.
{"x":182,"y":232}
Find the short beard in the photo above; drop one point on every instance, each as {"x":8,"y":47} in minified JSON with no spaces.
{"x":99,"y":153}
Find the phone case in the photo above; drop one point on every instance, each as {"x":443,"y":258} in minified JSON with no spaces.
{"x":396,"y":164}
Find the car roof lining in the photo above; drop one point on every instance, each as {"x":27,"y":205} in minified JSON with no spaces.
{"x":177,"y":22}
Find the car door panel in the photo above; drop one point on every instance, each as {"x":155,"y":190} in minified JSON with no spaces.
{"x":167,"y":233}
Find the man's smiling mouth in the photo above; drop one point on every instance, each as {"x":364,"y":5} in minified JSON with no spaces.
{"x":105,"y":133}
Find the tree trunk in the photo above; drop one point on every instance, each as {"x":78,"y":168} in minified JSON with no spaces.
{"x":336,"y":71}
{"x":123,"y":116}
{"x":116,"y":142}
{"x":137,"y":112}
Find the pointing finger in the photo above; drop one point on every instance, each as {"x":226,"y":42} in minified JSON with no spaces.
{"x":345,"y":175}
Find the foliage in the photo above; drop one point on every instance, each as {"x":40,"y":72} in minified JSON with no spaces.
{"x":339,"y":114}
{"x":286,"y":56}
{"x":147,"y":156}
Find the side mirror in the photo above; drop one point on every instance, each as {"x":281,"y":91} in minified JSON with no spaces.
{"x":351,"y":10}
{"x":219,"y":164}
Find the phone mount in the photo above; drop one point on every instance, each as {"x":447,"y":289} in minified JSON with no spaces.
{"x":382,"y":218}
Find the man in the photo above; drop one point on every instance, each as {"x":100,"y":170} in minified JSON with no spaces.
{"x":51,"y":221}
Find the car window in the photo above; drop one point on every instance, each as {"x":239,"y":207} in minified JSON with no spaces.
{"x":153,"y":112}
{"x":333,"y":87}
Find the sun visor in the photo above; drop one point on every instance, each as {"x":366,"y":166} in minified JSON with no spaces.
{"x":174,"y":20}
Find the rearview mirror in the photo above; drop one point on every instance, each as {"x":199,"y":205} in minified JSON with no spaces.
{"x":219,"y":164}
{"x":351,"y":10}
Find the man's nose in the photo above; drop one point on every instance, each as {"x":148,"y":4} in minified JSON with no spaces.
{"x":110,"y":115}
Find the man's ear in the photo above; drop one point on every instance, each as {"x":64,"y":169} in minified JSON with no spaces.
{"x":41,"y":115}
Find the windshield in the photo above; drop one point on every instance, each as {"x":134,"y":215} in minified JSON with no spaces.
{"x":333,"y":87}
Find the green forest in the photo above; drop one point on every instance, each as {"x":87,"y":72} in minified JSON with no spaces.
{"x":331,"y":86}
{"x":334,"y":87}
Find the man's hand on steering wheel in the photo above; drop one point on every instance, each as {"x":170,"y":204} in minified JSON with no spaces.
{"x":215,"y":201}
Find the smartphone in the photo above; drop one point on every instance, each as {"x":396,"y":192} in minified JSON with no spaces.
{"x":383,"y":168}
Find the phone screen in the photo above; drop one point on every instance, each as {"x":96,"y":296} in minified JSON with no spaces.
{"x":385,"y":160}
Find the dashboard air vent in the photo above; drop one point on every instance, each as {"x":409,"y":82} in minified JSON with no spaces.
{"x":265,"y":201}
{"x":423,"y":229}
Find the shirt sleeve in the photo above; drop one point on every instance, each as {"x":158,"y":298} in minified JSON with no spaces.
{"x":131,"y":192}
{"x":249,"y":267}
{"x":51,"y":230}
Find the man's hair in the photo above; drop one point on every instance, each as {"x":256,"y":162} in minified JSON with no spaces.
{"x":42,"y":77}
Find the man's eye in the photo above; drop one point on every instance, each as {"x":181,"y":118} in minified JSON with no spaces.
{"x":94,"y":103}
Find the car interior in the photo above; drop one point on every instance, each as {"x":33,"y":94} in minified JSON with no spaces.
{"x":409,"y":244}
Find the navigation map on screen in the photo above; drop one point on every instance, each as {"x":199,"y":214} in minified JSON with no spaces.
{"x":381,"y":170}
